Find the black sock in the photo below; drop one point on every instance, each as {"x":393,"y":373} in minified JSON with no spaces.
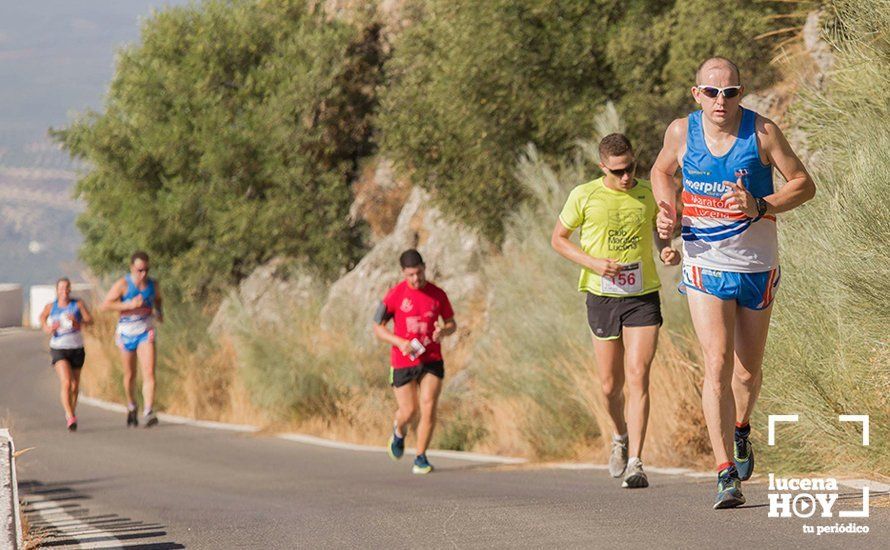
{"x":742,"y":432}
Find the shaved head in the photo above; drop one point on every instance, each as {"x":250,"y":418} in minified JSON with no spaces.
{"x":717,"y":62}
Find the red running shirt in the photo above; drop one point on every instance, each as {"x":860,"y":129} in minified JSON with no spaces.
{"x":415,"y":312}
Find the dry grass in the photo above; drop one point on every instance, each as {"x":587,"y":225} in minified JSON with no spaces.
{"x":102,"y":374}
{"x":30,"y":540}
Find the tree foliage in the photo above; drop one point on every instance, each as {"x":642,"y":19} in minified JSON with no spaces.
{"x":230,"y":135}
{"x":473,"y":82}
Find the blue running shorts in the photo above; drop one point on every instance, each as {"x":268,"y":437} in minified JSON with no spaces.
{"x":751,"y":290}
{"x":131,"y":342}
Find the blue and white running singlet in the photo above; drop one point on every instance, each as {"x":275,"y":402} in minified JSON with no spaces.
{"x":714,"y":236}
{"x":66,"y":336}
{"x":135,"y":325}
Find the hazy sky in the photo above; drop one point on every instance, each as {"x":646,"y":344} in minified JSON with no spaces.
{"x":57,"y":56}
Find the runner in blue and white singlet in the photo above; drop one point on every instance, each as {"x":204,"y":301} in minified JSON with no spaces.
{"x":135,"y":325}
{"x":137,"y":299}
{"x":730,"y":267}
{"x":726,"y":252}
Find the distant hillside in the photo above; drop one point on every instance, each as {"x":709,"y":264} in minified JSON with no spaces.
{"x":56,"y":58}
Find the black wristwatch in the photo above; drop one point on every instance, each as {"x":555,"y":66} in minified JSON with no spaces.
{"x":762,"y":205}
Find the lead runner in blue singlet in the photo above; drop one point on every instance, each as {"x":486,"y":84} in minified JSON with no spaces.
{"x":730,"y":266}
{"x":138,"y":300}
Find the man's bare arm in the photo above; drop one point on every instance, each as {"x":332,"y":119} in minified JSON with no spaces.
{"x":662,"y":176}
{"x":799,"y":186}
{"x":381,"y":317}
{"x":113,"y":301}
{"x":560,"y":242}
{"x":444,"y":328}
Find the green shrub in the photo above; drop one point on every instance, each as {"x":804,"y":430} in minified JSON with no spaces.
{"x":473,"y":82}
{"x":230,"y":135}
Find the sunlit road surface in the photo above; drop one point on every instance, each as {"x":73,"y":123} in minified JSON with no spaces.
{"x":178,"y":486}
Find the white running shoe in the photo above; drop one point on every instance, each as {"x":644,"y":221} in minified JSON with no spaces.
{"x":635,"y":477}
{"x":618,"y":458}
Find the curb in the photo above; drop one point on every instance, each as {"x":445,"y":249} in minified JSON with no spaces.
{"x":874,"y":486}
{"x":11,"y":533}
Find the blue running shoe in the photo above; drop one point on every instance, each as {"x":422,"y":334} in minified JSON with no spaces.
{"x":743,"y":457}
{"x":422,"y":465}
{"x":729,"y":489}
{"x":396,"y":446}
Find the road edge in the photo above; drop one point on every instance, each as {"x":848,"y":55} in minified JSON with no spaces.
{"x":9,"y":492}
{"x":873,"y":485}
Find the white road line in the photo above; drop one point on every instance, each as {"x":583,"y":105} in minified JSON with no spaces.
{"x":68,"y":526}
{"x":874,"y":486}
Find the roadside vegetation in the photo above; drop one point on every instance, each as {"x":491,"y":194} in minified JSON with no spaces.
{"x":828,"y":350}
{"x":473,"y":82}
{"x":231,"y":134}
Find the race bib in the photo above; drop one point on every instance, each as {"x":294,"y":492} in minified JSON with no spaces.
{"x":628,"y":281}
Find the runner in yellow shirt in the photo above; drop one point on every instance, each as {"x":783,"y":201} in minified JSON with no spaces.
{"x":615,"y":216}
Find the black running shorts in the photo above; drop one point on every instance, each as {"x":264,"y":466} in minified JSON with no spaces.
{"x":606,"y":315}
{"x":400,"y":377}
{"x":74,"y":356}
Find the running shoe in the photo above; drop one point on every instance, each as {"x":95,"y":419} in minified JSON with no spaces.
{"x":422,"y":465}
{"x":743,"y":457}
{"x":72,"y":424}
{"x":150,"y":419}
{"x":396,"y":446}
{"x":635,"y":477}
{"x":729,"y":489}
{"x":132,"y":420}
{"x":618,"y":458}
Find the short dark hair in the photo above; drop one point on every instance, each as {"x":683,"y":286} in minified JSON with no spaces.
{"x":615,"y":145}
{"x":63,"y":280}
{"x":138,"y":255}
{"x":410,"y":258}
{"x":720,"y":59}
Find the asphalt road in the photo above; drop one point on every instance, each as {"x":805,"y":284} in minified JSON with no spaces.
{"x":179,"y":486}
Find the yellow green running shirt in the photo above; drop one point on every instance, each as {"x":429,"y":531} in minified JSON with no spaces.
{"x":616,"y":225}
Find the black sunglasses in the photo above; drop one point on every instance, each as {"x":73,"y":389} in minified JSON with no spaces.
{"x":619,"y":172}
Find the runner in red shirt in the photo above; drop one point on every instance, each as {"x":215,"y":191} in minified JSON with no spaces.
{"x":422,"y":316}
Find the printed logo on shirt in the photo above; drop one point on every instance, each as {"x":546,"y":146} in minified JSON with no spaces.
{"x":416,"y":325}
{"x":406,"y":306}
{"x":623,"y":228}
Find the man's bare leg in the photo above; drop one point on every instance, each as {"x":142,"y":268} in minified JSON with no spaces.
{"x":406,"y":399}
{"x":751,"y":330}
{"x":714,"y":322}
{"x":610,"y":368}
{"x":128,"y":360}
{"x":639,"y":350}
{"x":146,"y":354}
{"x":430,"y":387}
